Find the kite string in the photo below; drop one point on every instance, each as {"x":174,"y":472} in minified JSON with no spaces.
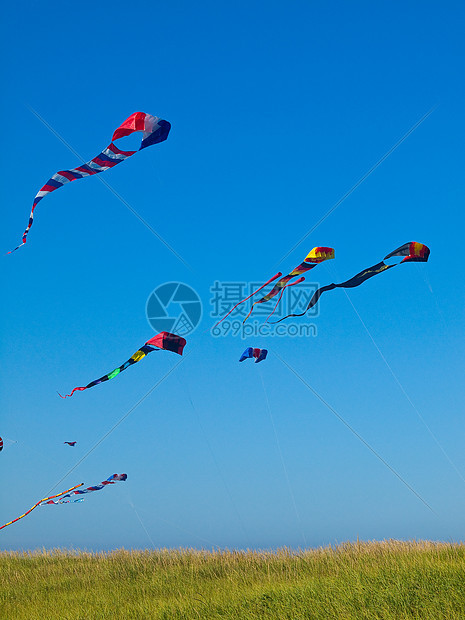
{"x":278,"y":275}
{"x":402,"y":389}
{"x":399,"y":384}
{"x":360,"y":181}
{"x":182,"y":529}
{"x":283,"y":463}
{"x":213,"y":456}
{"x":354,"y":432}
{"x":102,"y":439}
{"x":131,"y":503}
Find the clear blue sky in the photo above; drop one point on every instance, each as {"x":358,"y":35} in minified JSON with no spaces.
{"x":276,"y":112}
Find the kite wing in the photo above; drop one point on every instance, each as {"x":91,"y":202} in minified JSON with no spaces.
{"x":154,"y":130}
{"x":163,"y":340}
{"x":411,"y":252}
{"x":258,"y":354}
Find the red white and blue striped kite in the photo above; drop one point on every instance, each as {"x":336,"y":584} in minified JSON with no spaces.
{"x":154,"y":130}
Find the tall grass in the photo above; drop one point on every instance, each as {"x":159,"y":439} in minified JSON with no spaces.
{"x":389,"y":579}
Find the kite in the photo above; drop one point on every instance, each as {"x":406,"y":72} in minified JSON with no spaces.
{"x":67,"y":501}
{"x":258,"y":354}
{"x":5,"y":443}
{"x":71,"y":443}
{"x":154,"y":130}
{"x":412,"y":252}
{"x":40,"y":502}
{"x":98,"y":487}
{"x":163,"y":340}
{"x":313,"y":258}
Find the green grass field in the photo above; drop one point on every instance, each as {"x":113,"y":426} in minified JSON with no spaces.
{"x":367,"y":580}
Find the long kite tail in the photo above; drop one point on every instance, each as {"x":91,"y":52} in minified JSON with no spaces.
{"x":135,"y":357}
{"x":154,"y":130}
{"x":278,"y":275}
{"x":72,"y":392}
{"x":39,"y":502}
{"x":409,"y":252}
{"x":313,"y":301}
{"x":281,"y":295}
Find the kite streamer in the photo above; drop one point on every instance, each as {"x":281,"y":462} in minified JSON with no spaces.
{"x":40,"y":502}
{"x":258,"y":354}
{"x":278,"y":275}
{"x":412,"y":252}
{"x":68,"y":501}
{"x":98,"y":487}
{"x":313,"y":258}
{"x":154,"y":130}
{"x":163,"y":340}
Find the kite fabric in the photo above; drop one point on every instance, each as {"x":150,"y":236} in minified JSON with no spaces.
{"x":98,"y":487}
{"x":6,"y":443}
{"x":67,"y":501}
{"x":40,"y":502}
{"x":412,"y":252}
{"x":163,"y":340}
{"x":258,"y":354}
{"x":313,"y":258}
{"x":71,"y":443}
{"x":154,"y":130}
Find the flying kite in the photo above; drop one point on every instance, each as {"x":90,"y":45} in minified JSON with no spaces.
{"x":5,"y":443}
{"x":412,"y":252}
{"x":67,"y":501}
{"x":258,"y":354}
{"x":98,"y":487}
{"x":40,"y":502}
{"x":163,"y":340}
{"x":71,"y":443}
{"x":154,"y":130}
{"x":313,"y":258}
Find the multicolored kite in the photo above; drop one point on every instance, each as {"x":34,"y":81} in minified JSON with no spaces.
{"x":40,"y":502}
{"x":1,"y":444}
{"x":67,"y":501}
{"x":413,"y":252}
{"x":98,"y":487}
{"x":163,"y":340}
{"x":258,"y":354}
{"x":71,"y":443}
{"x":154,"y":130}
{"x":313,"y":258}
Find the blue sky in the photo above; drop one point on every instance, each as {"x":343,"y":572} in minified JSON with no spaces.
{"x":276,"y":112}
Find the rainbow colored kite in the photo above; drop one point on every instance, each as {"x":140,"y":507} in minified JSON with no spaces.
{"x":163,"y":340}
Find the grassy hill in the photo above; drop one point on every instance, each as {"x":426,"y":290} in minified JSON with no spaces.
{"x":388,"y":579}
